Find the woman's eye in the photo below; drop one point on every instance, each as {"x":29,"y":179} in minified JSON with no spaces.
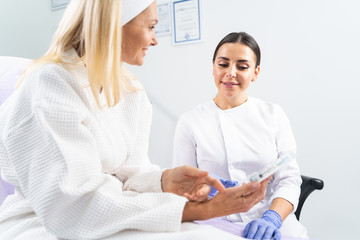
{"x":242,"y":67}
{"x":223,"y":65}
{"x":152,"y":27}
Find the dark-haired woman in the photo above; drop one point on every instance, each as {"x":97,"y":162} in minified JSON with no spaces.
{"x":234,"y":135}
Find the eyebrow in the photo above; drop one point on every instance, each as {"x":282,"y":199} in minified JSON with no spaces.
{"x":227,"y":59}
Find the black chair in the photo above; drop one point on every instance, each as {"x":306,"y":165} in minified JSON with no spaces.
{"x":308,"y":185}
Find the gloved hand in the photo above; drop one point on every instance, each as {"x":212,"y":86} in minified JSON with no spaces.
{"x":226,"y":183}
{"x":265,"y":227}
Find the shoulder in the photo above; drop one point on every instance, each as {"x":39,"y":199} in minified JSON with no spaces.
{"x":50,"y":76}
{"x":52,"y":83}
{"x":51,"y":91}
{"x":53,"y":70}
{"x":200,"y":112}
{"x":47,"y":76}
{"x":265,"y":107}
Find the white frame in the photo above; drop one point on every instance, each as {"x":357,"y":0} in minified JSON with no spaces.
{"x":159,"y":30}
{"x":57,"y":4}
{"x":199,"y":35}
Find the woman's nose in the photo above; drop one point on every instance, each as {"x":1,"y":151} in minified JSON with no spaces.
{"x":232,"y":72}
{"x":154,"y":40}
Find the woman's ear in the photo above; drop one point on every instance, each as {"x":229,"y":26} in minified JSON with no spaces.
{"x":256,"y":73}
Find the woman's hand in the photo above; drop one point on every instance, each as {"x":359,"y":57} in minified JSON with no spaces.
{"x":189,"y":182}
{"x":232,"y":200}
{"x":265,"y":227}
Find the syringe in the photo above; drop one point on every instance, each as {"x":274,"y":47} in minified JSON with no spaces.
{"x":271,"y":168}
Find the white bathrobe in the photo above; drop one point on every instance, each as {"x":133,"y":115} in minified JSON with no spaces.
{"x":234,"y":143}
{"x":81,"y":172}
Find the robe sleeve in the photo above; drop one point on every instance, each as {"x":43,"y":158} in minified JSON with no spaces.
{"x":56,"y":161}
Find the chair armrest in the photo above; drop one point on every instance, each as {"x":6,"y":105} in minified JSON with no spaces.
{"x":309,"y":184}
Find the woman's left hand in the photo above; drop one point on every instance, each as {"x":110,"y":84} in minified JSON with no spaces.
{"x":266,"y":227}
{"x":189,"y":182}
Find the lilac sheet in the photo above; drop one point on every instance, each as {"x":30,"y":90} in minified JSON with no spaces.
{"x":8,"y":82}
{"x":224,"y":225}
{"x":233,"y":227}
{"x":5,"y":190}
{"x":7,"y":87}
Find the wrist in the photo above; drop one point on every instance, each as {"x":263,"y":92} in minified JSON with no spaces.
{"x":196,"y":211}
{"x":273,"y":216}
{"x":164,"y":180}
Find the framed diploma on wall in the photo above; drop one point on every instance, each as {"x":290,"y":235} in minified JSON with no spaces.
{"x":57,"y":4}
{"x":164,"y":25}
{"x":186,"y":21}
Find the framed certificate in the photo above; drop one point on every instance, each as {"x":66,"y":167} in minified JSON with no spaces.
{"x":164,"y":25}
{"x":186,"y":21}
{"x":57,"y":4}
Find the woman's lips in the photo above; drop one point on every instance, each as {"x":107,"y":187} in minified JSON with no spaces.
{"x":229,"y":84}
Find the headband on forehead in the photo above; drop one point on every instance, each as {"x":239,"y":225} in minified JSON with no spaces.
{"x":132,"y":8}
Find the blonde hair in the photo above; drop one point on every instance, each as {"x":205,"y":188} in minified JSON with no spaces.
{"x":94,"y":28}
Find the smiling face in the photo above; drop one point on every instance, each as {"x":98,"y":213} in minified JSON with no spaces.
{"x":234,"y":69}
{"x":139,"y":35}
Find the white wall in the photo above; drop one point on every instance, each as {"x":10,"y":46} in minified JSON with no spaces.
{"x":310,"y":67}
{"x":26,"y":27}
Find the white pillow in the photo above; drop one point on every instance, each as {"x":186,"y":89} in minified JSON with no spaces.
{"x":11,"y":69}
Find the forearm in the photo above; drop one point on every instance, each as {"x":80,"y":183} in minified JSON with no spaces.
{"x":196,"y":211}
{"x":282,"y":207}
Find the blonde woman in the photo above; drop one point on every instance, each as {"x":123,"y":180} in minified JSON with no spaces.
{"x":74,"y":139}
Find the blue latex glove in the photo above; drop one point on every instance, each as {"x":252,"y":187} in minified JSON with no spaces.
{"x":265,"y":227}
{"x":226,"y":183}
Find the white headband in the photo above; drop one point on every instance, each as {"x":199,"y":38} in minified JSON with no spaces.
{"x":132,"y":8}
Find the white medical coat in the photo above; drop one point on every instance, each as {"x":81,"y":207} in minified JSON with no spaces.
{"x":236,"y":142}
{"x":81,"y":172}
